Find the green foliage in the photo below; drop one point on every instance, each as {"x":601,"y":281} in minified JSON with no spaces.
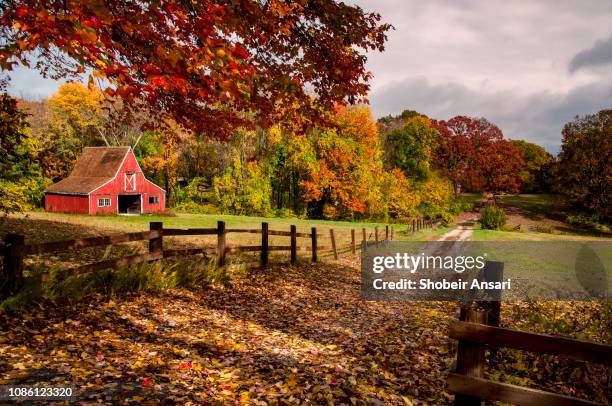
{"x":589,"y":221}
{"x":21,"y":184}
{"x":411,"y":147}
{"x":492,"y":217}
{"x":536,"y":166}
{"x":147,"y":277}
{"x":243,"y":189}
{"x":291,"y":164}
{"x":584,"y":164}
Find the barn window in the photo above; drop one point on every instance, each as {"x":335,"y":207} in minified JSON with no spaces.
{"x":106,"y":202}
{"x":153,"y":199}
{"x":130,"y":181}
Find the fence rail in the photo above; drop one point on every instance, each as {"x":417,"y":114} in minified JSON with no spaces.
{"x":15,"y":249}
{"x":473,"y":334}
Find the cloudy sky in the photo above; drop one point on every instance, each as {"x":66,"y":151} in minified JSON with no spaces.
{"x":529,"y":66}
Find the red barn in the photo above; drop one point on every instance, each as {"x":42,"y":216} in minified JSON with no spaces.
{"x":105,"y":180}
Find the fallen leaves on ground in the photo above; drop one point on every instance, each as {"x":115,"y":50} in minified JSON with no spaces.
{"x":286,"y":335}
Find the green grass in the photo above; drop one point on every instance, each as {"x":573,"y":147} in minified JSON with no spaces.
{"x":537,"y":203}
{"x":469,"y":197}
{"x":495,"y":235}
{"x":120,"y":224}
{"x":197,"y":221}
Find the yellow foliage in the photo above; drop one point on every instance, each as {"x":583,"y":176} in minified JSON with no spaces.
{"x":77,"y":105}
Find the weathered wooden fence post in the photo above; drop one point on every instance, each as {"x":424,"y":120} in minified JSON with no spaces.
{"x":12,"y":274}
{"x":376,"y":233}
{"x":353,"y":250}
{"x":493,"y":271}
{"x":471,"y":357}
{"x":392,"y":232}
{"x":221,"y":243}
{"x":264,"y":245}
{"x":333,"y":242}
{"x":313,"y":236}
{"x":364,"y":234}
{"x":386,"y":233}
{"x":293,"y":245}
{"x":156,"y":245}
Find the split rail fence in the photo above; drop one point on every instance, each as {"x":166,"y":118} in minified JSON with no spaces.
{"x":478,"y":327}
{"x":15,"y":249}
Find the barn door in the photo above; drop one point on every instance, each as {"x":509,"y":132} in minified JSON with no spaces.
{"x":130,"y":181}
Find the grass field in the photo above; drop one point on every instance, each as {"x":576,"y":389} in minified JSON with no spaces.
{"x":496,"y":235}
{"x":43,"y":227}
{"x":537,"y":203}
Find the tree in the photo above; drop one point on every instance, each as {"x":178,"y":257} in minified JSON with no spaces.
{"x":20,"y":182}
{"x":585,"y":172}
{"x":411,"y":147}
{"x":209,"y":66}
{"x":536,"y":164}
{"x":347,"y":174}
{"x":159,"y":153}
{"x":474,"y":156}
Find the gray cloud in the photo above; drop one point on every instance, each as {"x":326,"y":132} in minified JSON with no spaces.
{"x":599,"y":54}
{"x":537,"y":117}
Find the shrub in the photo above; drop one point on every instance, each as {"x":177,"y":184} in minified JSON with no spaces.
{"x":589,"y":221}
{"x":492,"y":217}
{"x":192,"y":207}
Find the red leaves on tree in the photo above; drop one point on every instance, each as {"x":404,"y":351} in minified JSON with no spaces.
{"x":474,"y":156}
{"x":207,"y":66}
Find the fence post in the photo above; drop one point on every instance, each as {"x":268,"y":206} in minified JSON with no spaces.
{"x":392,"y":232}
{"x":376,"y":233}
{"x":313,"y":236}
{"x":293,"y":245}
{"x":386,"y":233}
{"x":333,"y":242}
{"x":364,"y":234}
{"x":221,"y":243}
{"x":264,"y":245}
{"x":470,"y":358}
{"x":156,"y":245}
{"x":353,"y":240}
{"x":493,"y":271}
{"x":12,"y":274}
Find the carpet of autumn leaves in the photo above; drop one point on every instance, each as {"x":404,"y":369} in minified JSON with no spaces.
{"x":286,"y":335}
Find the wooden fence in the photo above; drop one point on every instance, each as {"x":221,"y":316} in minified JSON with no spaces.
{"x":421,"y":223}
{"x":478,"y":326}
{"x":15,"y":249}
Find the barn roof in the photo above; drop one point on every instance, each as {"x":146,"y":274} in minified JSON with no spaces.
{"x":95,"y":167}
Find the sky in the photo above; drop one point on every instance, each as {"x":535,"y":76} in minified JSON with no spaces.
{"x":528,"y":66}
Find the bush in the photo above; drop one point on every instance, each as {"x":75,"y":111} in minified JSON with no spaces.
{"x":589,"y":221}
{"x":192,"y":207}
{"x":492,"y":217}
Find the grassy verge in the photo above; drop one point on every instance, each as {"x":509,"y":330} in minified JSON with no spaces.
{"x":495,"y":235}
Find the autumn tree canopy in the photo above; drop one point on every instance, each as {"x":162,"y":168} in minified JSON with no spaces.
{"x":473,"y":154}
{"x":207,"y":65}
